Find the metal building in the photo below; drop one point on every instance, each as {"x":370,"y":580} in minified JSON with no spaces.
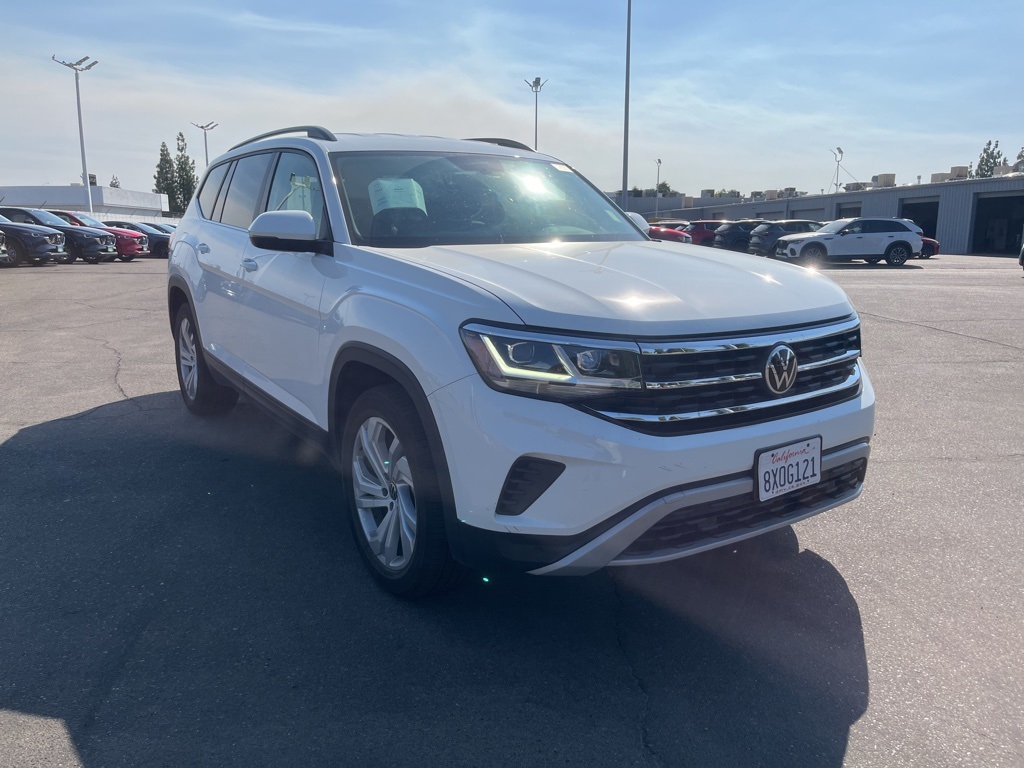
{"x":965,"y":216}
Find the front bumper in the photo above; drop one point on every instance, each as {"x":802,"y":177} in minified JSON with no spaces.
{"x":607,"y":505}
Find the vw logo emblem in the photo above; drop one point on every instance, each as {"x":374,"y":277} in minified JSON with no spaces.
{"x":780,"y":370}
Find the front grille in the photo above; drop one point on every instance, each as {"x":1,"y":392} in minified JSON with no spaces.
{"x":726,"y":518}
{"x":696,"y":385}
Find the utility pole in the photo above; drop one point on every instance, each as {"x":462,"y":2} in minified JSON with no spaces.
{"x":78,"y":68}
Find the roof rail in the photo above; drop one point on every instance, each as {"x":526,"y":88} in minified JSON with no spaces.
{"x":311,"y":131}
{"x":510,"y":143}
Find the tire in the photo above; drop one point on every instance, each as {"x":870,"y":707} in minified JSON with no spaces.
{"x":926,"y":252}
{"x":80,"y":253}
{"x":126,"y":258}
{"x":14,"y":256}
{"x":202,"y":395}
{"x":393,"y":496}
{"x":813,"y":255}
{"x":896,"y":255}
{"x":873,"y":260}
{"x":68,"y":257}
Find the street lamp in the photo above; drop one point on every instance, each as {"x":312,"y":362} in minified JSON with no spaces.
{"x":206,"y":129}
{"x":839,"y":159}
{"x":535,"y":86}
{"x":625,"y":126}
{"x":657,"y":184}
{"x":77,"y":67}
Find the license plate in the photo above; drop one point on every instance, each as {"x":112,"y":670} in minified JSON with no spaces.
{"x":788,"y":468}
{"x":110,"y":248}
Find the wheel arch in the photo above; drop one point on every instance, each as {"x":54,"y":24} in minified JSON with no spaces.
{"x":359,"y":367}
{"x":177,"y":294}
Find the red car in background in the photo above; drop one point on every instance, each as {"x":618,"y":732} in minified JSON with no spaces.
{"x":703,"y":232}
{"x":129,"y":243}
{"x":929,"y":247}
{"x":660,"y":232}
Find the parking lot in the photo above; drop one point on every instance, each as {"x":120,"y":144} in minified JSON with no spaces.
{"x":180,"y":593}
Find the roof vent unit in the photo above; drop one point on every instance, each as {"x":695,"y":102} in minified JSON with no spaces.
{"x":1002,"y":170}
{"x":885,"y":179}
{"x":771,"y":194}
{"x":958,"y":172}
{"x":937,"y":177}
{"x":855,"y":186}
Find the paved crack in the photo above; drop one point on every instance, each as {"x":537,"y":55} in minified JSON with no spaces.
{"x":645,"y":712}
{"x":117,"y":370}
{"x":942,"y":330}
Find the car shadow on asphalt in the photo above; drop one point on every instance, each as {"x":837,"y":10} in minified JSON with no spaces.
{"x":179,"y":591}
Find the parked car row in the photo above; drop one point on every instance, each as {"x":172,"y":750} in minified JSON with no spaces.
{"x":37,"y":236}
{"x":809,"y":242}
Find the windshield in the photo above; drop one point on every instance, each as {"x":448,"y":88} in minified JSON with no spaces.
{"x":89,"y":221}
{"x":834,"y":226}
{"x":410,"y":200}
{"x":48,"y":218}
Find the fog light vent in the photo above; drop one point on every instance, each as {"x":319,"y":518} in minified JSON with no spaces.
{"x":528,"y":478}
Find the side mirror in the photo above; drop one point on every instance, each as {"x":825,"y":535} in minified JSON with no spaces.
{"x":640,"y":221}
{"x":284,"y":231}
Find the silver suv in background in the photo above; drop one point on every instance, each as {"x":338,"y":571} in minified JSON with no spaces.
{"x":508,"y":373}
{"x":870,"y":239}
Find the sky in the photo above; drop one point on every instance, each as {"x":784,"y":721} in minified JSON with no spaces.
{"x":738,"y":95}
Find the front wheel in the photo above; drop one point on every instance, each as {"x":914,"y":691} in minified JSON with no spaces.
{"x":126,"y":258}
{"x":202,"y":395}
{"x":14,"y":254}
{"x":393,"y":495}
{"x":67,"y":257}
{"x":896,"y":255}
{"x":813,"y":255}
{"x":873,"y":260}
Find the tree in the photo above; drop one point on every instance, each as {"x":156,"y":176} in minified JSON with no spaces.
{"x":1020,"y":155}
{"x":164,"y":179}
{"x":666,"y":190}
{"x":115,"y":183}
{"x":990,"y":157}
{"x":185,"y":180}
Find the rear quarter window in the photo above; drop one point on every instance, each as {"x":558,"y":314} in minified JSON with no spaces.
{"x":211,"y":187}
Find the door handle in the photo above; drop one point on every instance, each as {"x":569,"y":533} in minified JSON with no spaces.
{"x":203,"y":248}
{"x":250,"y":265}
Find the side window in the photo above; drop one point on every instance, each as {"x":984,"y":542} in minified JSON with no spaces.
{"x":211,"y":186}
{"x":18,"y":217}
{"x":855,"y":227}
{"x":244,"y":190}
{"x":296,"y":187}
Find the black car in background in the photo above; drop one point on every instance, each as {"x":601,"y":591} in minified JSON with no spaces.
{"x":86,"y":243}
{"x":158,"y":239}
{"x":764,"y":236}
{"x":735,"y":236}
{"x":31,"y":243}
{"x":163,"y":227}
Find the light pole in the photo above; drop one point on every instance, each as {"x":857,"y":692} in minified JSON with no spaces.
{"x":839,"y":159}
{"x":535,"y":86}
{"x":625,"y":127}
{"x":657,"y":184}
{"x":77,"y":66}
{"x":206,"y":129}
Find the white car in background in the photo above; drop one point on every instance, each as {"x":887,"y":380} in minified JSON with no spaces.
{"x":867,"y":238}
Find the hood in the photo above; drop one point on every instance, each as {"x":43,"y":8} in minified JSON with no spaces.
{"x":72,"y":229}
{"x":125,"y":232}
{"x":639,"y":288}
{"x":800,"y":236}
{"x":15,"y":226}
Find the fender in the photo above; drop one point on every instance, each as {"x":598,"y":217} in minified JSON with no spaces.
{"x":391,"y":367}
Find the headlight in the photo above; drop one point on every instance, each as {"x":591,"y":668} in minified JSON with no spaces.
{"x":555,"y":367}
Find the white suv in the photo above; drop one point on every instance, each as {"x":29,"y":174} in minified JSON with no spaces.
{"x":508,"y":372}
{"x":894,"y":240}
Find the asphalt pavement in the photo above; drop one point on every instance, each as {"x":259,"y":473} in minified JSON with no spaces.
{"x":178,"y":592}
